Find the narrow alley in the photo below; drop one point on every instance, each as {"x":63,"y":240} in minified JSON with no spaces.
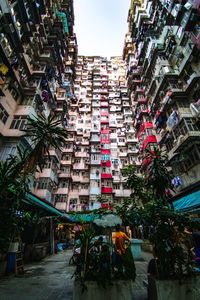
{"x":51,"y":279}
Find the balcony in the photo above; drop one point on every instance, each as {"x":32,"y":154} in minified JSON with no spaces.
{"x":43,"y":194}
{"x":95,"y":161}
{"x":95,"y":175}
{"x":104,"y":113}
{"x":95,"y":138}
{"x":105,"y":130}
{"x":76,"y":178}
{"x":105,"y":140}
{"x":68,"y":150}
{"x":105,"y":163}
{"x":106,"y":176}
{"x":61,"y":206}
{"x":183,"y":134}
{"x":62,"y":190}
{"x":104,"y":104}
{"x":47,"y":173}
{"x":94,"y":190}
{"x":151,"y":139}
{"x":104,"y":120}
{"x":65,"y":161}
{"x":84,"y":192}
{"x":122,"y":193}
{"x":79,"y":166}
{"x":131,"y":139}
{"x":63,"y":174}
{"x":105,"y":151}
{"x":106,"y":190}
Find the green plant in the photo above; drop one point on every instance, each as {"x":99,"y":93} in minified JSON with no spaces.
{"x":13,"y":186}
{"x":164,"y":227}
{"x":45,"y":133}
{"x":166,"y":232}
{"x":157,"y":177}
{"x":134,"y":182}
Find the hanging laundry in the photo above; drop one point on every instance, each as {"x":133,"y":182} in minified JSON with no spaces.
{"x":177,"y":181}
{"x":160,"y":120}
{"x":172,"y":120}
{"x":45,"y":95}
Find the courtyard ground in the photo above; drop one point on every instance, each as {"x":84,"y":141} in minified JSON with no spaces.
{"x":51,"y":279}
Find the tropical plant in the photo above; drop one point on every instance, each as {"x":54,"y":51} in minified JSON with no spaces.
{"x":45,"y":133}
{"x":172,"y":246}
{"x":164,"y":227}
{"x":157,"y":177}
{"x":13,"y":186}
{"x":136,"y":183}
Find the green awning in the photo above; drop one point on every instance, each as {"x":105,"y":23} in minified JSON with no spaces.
{"x":188,"y":203}
{"x":42,"y":205}
{"x":81,"y":217}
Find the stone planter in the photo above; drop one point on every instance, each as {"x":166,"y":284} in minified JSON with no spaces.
{"x":119,"y":290}
{"x":3,"y":263}
{"x":147,"y":247}
{"x":186,"y":289}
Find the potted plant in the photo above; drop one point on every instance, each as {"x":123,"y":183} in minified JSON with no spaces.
{"x":174,"y":269}
{"x":14,"y":176}
{"x":95,"y":274}
{"x":173,"y":273}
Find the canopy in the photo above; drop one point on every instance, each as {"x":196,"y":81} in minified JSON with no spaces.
{"x":188,"y":203}
{"x":106,"y":220}
{"x":40,"y":204}
{"x":82,"y":217}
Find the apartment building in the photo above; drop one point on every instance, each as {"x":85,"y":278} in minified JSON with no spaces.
{"x":101,"y":137}
{"x":38,"y":52}
{"x":162,"y":51}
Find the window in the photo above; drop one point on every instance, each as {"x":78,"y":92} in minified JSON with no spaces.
{"x":61,"y":198}
{"x":3,"y":114}
{"x":65,"y":157}
{"x":116,"y":186}
{"x":105,"y":157}
{"x":63,"y":184}
{"x":43,"y":184}
{"x":47,"y":164}
{"x":73,"y":201}
{"x":7,"y":150}
{"x":18,"y":122}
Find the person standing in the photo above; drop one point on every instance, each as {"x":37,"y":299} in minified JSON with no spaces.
{"x":124,"y":261}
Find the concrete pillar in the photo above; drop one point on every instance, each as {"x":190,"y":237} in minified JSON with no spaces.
{"x":52,"y":241}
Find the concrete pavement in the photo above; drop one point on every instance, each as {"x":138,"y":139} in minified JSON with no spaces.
{"x":51,"y":279}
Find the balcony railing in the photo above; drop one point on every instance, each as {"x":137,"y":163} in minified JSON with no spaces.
{"x":106,"y":190}
{"x":106,"y":176}
{"x":182,"y":133}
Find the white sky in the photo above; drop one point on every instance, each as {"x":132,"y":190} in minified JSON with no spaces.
{"x":100,"y":26}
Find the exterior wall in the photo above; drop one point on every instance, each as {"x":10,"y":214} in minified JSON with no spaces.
{"x":100,"y":85}
{"x":163,"y":76}
{"x":36,"y":78}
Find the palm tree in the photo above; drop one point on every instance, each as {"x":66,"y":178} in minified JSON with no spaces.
{"x":45,"y":133}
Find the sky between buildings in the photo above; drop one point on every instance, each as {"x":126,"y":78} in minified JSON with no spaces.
{"x":100,"y":26}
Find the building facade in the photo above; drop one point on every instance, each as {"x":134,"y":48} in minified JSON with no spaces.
{"x":162,"y":52}
{"x":101,"y":137}
{"x":38,"y":53}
